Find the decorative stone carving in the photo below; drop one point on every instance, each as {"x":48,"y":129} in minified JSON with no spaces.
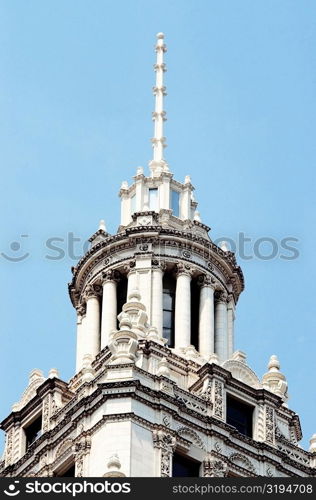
{"x":35,"y":380}
{"x":184,"y":268}
{"x":260,"y":423}
{"x":166,"y":419}
{"x":114,"y":466}
{"x":63,"y":448}
{"x":204,"y":280}
{"x":214,"y":467}
{"x":111,"y":275}
{"x":155,"y":337}
{"x":46,"y":414}
{"x":92,"y":291}
{"x":191,"y":436}
{"x":242,"y":461}
{"x":269,"y":472}
{"x":218,"y":409}
{"x":166,"y":443}
{"x":82,"y":448}
{"x":88,"y":372}
{"x":191,"y":353}
{"x":135,"y":313}
{"x":274,"y":380}
{"x":163,"y":368}
{"x":9,"y":447}
{"x":270,"y":425}
{"x":81,"y":310}
{"x":123,"y":343}
{"x":221,"y":296}
{"x":242,"y":372}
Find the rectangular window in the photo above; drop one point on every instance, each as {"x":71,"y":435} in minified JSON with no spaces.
{"x":175,"y":203}
{"x":153,"y":199}
{"x":67,"y":470}
{"x":33,"y":431}
{"x":239,"y":415}
{"x":183,"y":466}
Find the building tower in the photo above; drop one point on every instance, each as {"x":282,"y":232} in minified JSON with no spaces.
{"x":159,"y":389}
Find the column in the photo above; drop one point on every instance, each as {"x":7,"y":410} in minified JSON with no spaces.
{"x":131,"y":282}
{"x":80,"y":337}
{"x":221,"y":327}
{"x":230,"y":326}
{"x":206,"y":319}
{"x":109,"y":306}
{"x":92,"y":329}
{"x":185,"y":204}
{"x":164,"y":191}
{"x":183,"y":307}
{"x":157,"y":299}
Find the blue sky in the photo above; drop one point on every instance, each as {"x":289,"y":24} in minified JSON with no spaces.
{"x":75,"y":121}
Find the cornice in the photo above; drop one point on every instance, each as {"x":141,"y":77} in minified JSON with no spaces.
{"x":225,"y":261}
{"x":260,"y":451}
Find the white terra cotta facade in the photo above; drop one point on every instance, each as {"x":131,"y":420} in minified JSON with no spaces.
{"x":157,"y":375}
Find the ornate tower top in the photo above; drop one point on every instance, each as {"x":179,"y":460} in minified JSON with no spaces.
{"x":158,"y":164}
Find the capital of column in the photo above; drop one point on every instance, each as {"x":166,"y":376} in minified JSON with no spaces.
{"x":164,"y":441}
{"x":230,"y":301}
{"x":206,"y":280}
{"x":111,"y":275}
{"x":184,"y":269}
{"x":81,"y":310}
{"x":221,"y":297}
{"x":158,"y":265}
{"x":92,"y":291}
{"x":130,"y":266}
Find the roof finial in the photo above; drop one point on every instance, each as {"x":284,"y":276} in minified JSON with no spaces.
{"x":158,"y":164}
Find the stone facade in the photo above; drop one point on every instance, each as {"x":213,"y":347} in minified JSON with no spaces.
{"x":138,"y":398}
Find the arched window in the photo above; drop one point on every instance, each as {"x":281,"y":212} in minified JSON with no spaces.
{"x":169,"y":296}
{"x":121,"y":294}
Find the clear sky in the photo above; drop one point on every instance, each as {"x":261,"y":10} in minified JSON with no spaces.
{"x":76,"y":107}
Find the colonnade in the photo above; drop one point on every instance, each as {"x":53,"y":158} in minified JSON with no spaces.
{"x":98,"y":318}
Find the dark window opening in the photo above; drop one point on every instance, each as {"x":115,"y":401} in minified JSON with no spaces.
{"x":195,"y":313}
{"x":184,"y":466}
{"x":239,"y":415}
{"x":70,"y":471}
{"x":121,"y":295}
{"x":169,"y":296}
{"x":33,"y":431}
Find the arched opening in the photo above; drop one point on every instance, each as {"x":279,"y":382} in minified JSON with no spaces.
{"x":121,"y":294}
{"x":169,"y":297}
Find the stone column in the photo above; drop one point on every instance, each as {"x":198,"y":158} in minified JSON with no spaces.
{"x":221,"y":326}
{"x":183,"y":307}
{"x":206,"y":318}
{"x":92,"y":329}
{"x":109,"y":306}
{"x":230,"y":326}
{"x":157,"y":298}
{"x":185,"y":203}
{"x":80,"y":336}
{"x":132,"y":283}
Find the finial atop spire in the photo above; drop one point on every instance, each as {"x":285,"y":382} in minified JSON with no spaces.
{"x":158,"y":163}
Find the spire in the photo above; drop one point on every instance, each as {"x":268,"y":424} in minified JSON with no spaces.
{"x":158,"y":164}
